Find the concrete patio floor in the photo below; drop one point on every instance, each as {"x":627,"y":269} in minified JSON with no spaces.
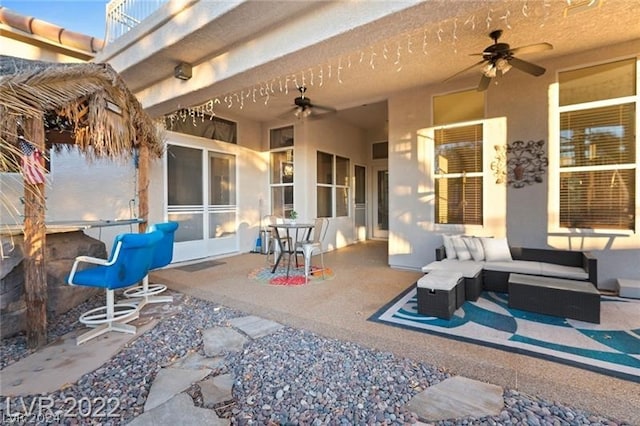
{"x":363,"y":283}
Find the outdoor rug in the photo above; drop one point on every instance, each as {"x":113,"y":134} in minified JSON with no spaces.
{"x":611,"y":347}
{"x":295,"y":278}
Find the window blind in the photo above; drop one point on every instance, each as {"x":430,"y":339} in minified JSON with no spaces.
{"x":458,"y":173}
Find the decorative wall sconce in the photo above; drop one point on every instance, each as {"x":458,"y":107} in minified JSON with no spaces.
{"x":499,"y":164}
{"x":182,"y":71}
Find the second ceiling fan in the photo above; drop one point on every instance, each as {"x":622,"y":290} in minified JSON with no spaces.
{"x":499,"y":58}
{"x":303,"y":106}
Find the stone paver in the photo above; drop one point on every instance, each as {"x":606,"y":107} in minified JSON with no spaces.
{"x":218,"y":340}
{"x":63,"y":361}
{"x":171,"y":381}
{"x":195,"y":361}
{"x":457,"y":397}
{"x":179,"y":410}
{"x":216,"y":390}
{"x":255,"y":327}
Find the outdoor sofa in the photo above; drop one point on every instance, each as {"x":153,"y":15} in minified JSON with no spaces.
{"x":486,"y":263}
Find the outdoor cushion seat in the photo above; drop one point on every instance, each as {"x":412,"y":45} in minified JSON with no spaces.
{"x":440,"y":293}
{"x":562,"y":271}
{"x":471,"y":272}
{"x":162,"y":256}
{"x":127,"y":265}
{"x":515,"y":266}
{"x":468,"y":268}
{"x":500,"y":260}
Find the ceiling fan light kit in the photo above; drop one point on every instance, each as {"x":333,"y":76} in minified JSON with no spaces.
{"x":498,"y":59}
{"x":301,"y":112}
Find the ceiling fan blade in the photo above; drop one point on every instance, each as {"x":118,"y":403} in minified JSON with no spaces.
{"x":321,"y":115}
{"x":527,"y":67}
{"x":463,"y":71}
{"x":323,"y":108}
{"x":532,"y":48}
{"x":484,"y":83}
{"x":288,"y":114}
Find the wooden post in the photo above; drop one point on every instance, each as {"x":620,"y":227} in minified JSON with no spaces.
{"x":143,"y":186}
{"x":35,"y":277}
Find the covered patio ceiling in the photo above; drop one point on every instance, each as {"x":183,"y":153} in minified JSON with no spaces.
{"x":348,"y":53}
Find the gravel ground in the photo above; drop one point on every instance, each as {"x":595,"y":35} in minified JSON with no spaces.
{"x":290,"y":377}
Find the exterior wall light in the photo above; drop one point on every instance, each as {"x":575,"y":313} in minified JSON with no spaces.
{"x":182,"y":71}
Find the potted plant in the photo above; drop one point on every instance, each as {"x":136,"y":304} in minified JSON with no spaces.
{"x":293,"y":215}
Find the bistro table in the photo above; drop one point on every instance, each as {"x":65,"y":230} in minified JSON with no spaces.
{"x":302,"y":232}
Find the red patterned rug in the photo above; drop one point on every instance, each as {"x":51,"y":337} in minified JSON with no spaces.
{"x":295,"y":278}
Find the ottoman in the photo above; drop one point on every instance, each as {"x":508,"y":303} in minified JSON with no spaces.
{"x":471,"y":272}
{"x":440,"y":293}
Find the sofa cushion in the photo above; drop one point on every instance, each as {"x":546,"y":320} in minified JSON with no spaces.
{"x":562,"y":271}
{"x":468,"y":268}
{"x":515,"y":266}
{"x":475,"y":248}
{"x":440,"y":280}
{"x":462,"y":252}
{"x":496,"y":249}
{"x":449,"y":250}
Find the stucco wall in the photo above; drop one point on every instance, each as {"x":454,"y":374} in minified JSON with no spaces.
{"x":523,"y":102}
{"x":331,"y":136}
{"x":79,"y":189}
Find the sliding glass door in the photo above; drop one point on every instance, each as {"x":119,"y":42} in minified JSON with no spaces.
{"x":201,"y":197}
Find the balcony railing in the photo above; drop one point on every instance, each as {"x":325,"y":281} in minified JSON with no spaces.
{"x":124,"y":15}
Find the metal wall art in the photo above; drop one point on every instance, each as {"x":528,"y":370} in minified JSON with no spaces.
{"x":526,"y":163}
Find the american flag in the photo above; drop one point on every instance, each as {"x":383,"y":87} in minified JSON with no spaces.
{"x":32,"y":168}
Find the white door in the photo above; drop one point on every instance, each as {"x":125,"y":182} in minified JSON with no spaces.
{"x":201,"y":197}
{"x":380,"y":203}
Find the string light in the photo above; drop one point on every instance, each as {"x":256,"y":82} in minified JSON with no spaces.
{"x":471,"y":20}
{"x":505,"y":18}
{"x":397,"y":62}
{"x":455,"y":36}
{"x":264,"y":90}
{"x":424,"y":42}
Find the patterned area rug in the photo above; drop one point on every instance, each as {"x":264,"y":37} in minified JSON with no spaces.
{"x":611,"y":347}
{"x":295,"y":278}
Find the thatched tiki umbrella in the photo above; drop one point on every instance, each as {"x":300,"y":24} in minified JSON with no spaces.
{"x":102,"y":118}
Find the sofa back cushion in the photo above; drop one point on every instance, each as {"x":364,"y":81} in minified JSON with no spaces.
{"x":462,"y":252}
{"x":474,"y":245}
{"x":496,"y":249}
{"x":448,"y":246}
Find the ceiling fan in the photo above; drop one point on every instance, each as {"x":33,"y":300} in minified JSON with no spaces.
{"x":303,"y":106}
{"x":499,"y":58}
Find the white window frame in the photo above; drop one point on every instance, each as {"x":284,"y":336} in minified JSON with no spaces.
{"x":555,"y":111}
{"x":334,"y":186}
{"x":437,"y":175}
